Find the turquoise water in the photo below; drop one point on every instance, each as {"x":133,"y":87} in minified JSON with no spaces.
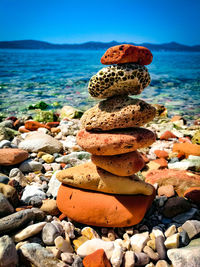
{"x":28,"y":76}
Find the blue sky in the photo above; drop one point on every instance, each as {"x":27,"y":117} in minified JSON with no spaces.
{"x":77,"y":21}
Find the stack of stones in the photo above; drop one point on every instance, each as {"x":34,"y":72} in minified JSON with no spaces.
{"x":106,"y":192}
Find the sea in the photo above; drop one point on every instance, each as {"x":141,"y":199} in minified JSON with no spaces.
{"x":60,"y":77}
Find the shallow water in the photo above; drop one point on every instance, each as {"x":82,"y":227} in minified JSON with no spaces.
{"x":28,"y":76}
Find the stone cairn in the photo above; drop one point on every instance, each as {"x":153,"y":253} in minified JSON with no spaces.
{"x":105,"y":191}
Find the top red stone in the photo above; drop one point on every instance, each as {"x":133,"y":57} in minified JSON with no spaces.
{"x":127,"y":53}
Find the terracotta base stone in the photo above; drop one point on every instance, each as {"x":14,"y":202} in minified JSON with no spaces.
{"x":115,"y":142}
{"x":12,"y":156}
{"x":126,"y":53}
{"x":122,"y":165}
{"x":100,"y":209}
{"x":181,"y":180}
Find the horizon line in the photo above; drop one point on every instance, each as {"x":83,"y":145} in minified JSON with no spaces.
{"x":103,"y":42}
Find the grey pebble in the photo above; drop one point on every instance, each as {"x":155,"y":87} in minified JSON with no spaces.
{"x":160,"y":247}
{"x":183,"y":239}
{"x":49,"y":233}
{"x":5,"y":207}
{"x":30,"y":166}
{"x":141,"y":259}
{"x":35,"y":201}
{"x":8,"y":253}
{"x":77,"y":262}
{"x":4,"y":179}
{"x":5,"y":143}
{"x":19,"y":219}
{"x":39,"y":256}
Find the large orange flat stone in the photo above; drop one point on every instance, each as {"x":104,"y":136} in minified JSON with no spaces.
{"x":127,"y":53}
{"x":99,"y":209}
{"x":116,"y":141}
{"x":123,"y":165}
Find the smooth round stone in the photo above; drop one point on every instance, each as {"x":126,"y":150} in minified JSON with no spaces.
{"x":126,"y":79}
{"x":32,"y":191}
{"x":35,"y":142}
{"x":30,"y":166}
{"x":49,"y":233}
{"x":35,"y":201}
{"x":12,"y":156}
{"x":181,"y":180}
{"x":127,"y":53}
{"x":5,"y":143}
{"x":115,"y":142}
{"x":98,"y":209}
{"x":49,"y":206}
{"x":4,"y":179}
{"x":122,"y":165}
{"x":117,"y":112}
{"x":175,"y":206}
{"x":88,"y":176}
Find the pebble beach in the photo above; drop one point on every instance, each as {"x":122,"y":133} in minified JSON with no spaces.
{"x":41,"y":154}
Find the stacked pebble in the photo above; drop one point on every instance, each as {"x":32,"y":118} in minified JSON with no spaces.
{"x":106,"y":191}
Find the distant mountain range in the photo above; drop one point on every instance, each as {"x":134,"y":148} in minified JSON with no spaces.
{"x":32,"y":44}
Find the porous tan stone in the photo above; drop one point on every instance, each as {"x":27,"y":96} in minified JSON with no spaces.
{"x":123,"y":165}
{"x":117,"y":112}
{"x":115,"y":142}
{"x":89,"y":176}
{"x":126,"y":79}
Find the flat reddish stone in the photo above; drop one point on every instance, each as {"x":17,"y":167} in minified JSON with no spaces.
{"x":193,"y":193}
{"x":161,"y":154}
{"x":34,"y":125}
{"x":96,"y":259}
{"x":116,"y":141}
{"x":181,"y":180}
{"x":162,"y":162}
{"x":167,"y":135}
{"x":122,"y":165}
{"x":187,"y":149}
{"x":166,"y":190}
{"x":12,"y":156}
{"x":52,"y":124}
{"x":99,"y":209}
{"x":127,"y":53}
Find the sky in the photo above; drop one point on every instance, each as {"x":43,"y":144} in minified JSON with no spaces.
{"x":79,"y":21}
